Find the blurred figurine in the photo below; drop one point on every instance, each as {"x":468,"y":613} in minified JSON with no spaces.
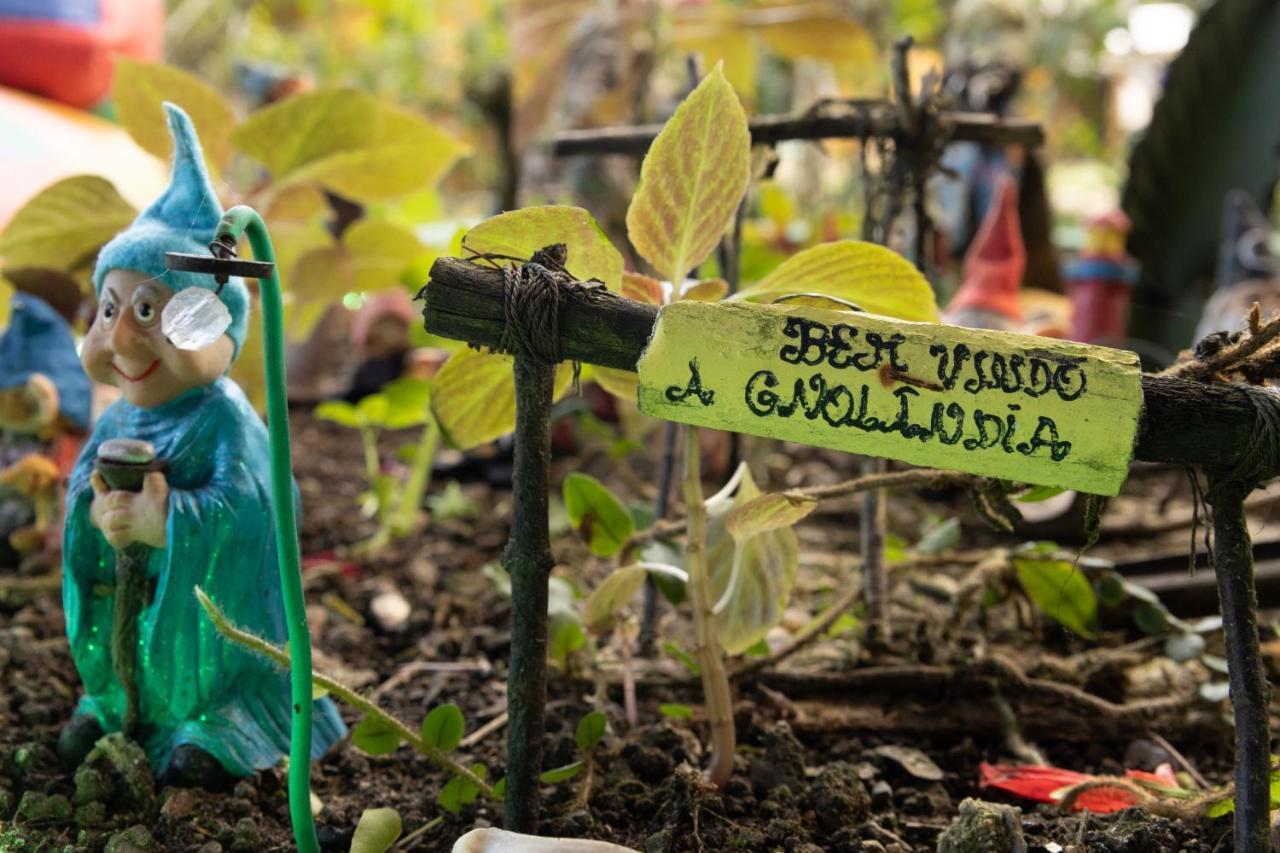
{"x":45,"y":400}
{"x":205,"y":709}
{"x":988,"y":296}
{"x":1100,"y":282}
{"x":1247,"y":271}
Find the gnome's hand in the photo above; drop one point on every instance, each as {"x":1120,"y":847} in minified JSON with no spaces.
{"x":128,"y":517}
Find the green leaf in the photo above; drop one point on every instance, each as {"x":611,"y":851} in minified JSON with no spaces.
{"x":1035,"y":494}
{"x":942,"y":536}
{"x":500,"y":788}
{"x":139,"y":92}
{"x":844,"y":623}
{"x":761,"y":570}
{"x":675,"y":711}
{"x":686,"y":660}
{"x":64,"y":225}
{"x":451,"y":503}
{"x":1220,"y":808}
{"x":409,"y":401}
{"x":377,"y":830}
{"x":453,"y":795}
{"x":692,"y":179}
{"x":373,"y":736}
{"x":520,"y":233}
{"x":1111,"y":590}
{"x":772,"y":511}
{"x":597,"y":514}
{"x":561,"y":774}
{"x":1060,"y":590}
{"x":443,"y":727}
{"x":322,"y":277}
{"x":340,"y":412}
{"x":373,"y":409}
{"x":566,"y":638}
{"x":591,"y":729}
{"x":475,"y":397}
{"x":874,"y":278}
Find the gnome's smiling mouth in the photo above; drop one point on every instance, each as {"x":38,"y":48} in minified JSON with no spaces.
{"x":141,"y":376}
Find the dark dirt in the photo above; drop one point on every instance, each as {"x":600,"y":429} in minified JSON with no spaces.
{"x":808,"y":777}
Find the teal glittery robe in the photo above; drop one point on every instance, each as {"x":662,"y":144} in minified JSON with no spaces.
{"x":194,"y":686}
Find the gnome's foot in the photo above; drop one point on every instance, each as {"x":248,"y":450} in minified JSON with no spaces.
{"x":192,"y":767}
{"x":77,"y":738}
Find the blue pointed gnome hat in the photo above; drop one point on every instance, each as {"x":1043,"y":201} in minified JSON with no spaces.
{"x":183,"y":219}
{"x":39,"y":340}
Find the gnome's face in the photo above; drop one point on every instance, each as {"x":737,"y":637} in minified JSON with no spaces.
{"x":126,"y":348}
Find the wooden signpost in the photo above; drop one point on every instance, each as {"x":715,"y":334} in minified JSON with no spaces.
{"x":1017,"y":407}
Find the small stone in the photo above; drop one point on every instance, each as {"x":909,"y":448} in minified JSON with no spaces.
{"x":660,"y":842}
{"x":244,"y":789}
{"x":135,"y":839}
{"x":210,"y":847}
{"x":245,"y":837}
{"x":91,"y":814}
{"x":390,"y":611}
{"x":839,"y":798}
{"x":37,"y":807}
{"x":92,"y":786}
{"x":180,"y":804}
{"x":123,"y":764}
{"x":870,"y":846}
{"x":984,"y":827}
{"x":881,"y":795}
{"x":781,"y":762}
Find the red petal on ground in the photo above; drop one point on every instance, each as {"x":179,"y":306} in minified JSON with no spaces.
{"x":1040,"y":783}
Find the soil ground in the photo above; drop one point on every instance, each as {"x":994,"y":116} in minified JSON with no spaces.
{"x":810,"y":775}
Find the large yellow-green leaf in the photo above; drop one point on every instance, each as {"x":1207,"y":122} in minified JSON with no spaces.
{"x":765,"y":569}
{"x":692,"y":180}
{"x":405,"y":153}
{"x":877,"y":279}
{"x":768,"y":512}
{"x":828,"y":37}
{"x":141,"y":88}
{"x":308,"y":127}
{"x":65,"y":224}
{"x":1062,"y":591}
{"x":475,"y":396}
{"x":320,"y":277}
{"x":520,"y":233}
{"x":381,"y":252}
{"x":6,"y":300}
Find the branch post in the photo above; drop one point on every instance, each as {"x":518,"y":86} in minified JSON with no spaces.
{"x":527,"y":559}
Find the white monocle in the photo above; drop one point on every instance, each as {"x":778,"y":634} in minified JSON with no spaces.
{"x":194,"y":319}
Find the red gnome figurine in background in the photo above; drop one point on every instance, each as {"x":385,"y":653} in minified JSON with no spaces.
{"x":1100,"y":282}
{"x":993,"y":268}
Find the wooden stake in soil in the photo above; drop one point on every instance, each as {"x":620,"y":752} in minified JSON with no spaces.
{"x":1250,"y":690}
{"x":527,"y":558}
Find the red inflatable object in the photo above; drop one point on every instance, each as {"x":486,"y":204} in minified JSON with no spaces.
{"x":65,"y":49}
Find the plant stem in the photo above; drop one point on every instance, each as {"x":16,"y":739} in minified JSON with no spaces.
{"x":1250,"y":690}
{"x":649,"y":619}
{"x":527,"y":559}
{"x":419,"y":479}
{"x":875,"y":579}
{"x":280,"y":657}
{"x":715,"y":681}
{"x":245,"y":220}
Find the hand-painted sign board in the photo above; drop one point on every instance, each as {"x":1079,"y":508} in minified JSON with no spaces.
{"x":1019,"y":407}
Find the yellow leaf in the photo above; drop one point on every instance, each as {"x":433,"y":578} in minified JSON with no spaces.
{"x":308,"y":127}
{"x":475,"y":396}
{"x":643,"y":288}
{"x":65,"y":225}
{"x":612,"y":595}
{"x":874,"y":278}
{"x":722,"y":42}
{"x":692,"y":180}
{"x":707,"y":290}
{"x":761,"y":570}
{"x":405,"y":153}
{"x":296,"y":204}
{"x":619,"y":383}
{"x":767,"y":512}
{"x":140,"y":89}
{"x":520,"y":233}
{"x":381,"y":252}
{"x":320,"y":277}
{"x":829,"y":38}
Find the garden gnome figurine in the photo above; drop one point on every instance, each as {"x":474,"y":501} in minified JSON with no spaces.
{"x":1247,"y":271}
{"x":1100,"y":282}
{"x":993,"y":268}
{"x":45,"y":402}
{"x":207,"y":710}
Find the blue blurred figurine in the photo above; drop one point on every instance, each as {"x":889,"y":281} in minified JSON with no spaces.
{"x":204,"y":709}
{"x":45,"y":400}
